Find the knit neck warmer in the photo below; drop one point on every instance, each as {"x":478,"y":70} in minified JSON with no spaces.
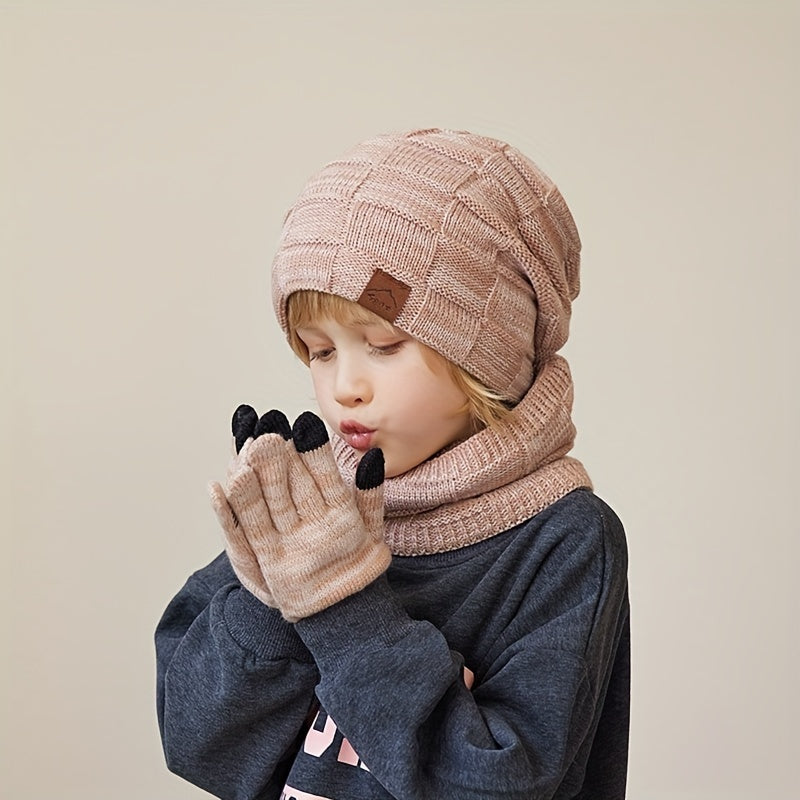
{"x":494,"y":480}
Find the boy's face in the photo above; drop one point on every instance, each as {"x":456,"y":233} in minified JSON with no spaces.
{"x":380,"y":388}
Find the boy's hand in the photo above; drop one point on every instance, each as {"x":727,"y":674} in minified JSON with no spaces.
{"x":297,"y":536}
{"x":245,"y":425}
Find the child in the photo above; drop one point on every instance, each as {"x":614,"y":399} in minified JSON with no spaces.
{"x":434,"y":605}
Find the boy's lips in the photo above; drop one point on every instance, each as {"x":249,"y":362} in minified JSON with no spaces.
{"x":358,"y":436}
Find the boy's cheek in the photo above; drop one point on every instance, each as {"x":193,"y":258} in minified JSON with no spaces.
{"x":326,"y":412}
{"x":322,"y":396}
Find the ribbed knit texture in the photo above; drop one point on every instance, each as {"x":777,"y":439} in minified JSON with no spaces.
{"x":478,"y":235}
{"x":494,"y":480}
{"x":297,"y":537}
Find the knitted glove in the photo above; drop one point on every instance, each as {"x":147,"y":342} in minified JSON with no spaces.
{"x":245,"y":425}
{"x":297,"y":536}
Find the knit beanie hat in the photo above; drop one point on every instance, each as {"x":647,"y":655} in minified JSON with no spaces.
{"x":459,"y":240}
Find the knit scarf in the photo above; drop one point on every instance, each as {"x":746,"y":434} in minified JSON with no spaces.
{"x":486,"y":484}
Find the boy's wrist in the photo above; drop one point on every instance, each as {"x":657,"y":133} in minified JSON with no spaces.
{"x":260,"y":629}
{"x":373,"y":617}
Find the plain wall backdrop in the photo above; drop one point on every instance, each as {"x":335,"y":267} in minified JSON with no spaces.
{"x":148,"y":152}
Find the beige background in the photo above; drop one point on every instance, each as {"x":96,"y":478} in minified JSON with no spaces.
{"x":149,"y":150}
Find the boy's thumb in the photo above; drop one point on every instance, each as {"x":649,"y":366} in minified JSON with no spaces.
{"x":369,"y":491}
{"x":370,"y":470}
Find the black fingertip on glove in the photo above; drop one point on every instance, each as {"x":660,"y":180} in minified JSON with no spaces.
{"x":308,"y":432}
{"x":370,"y":470}
{"x":243,"y":424}
{"x":273,"y":421}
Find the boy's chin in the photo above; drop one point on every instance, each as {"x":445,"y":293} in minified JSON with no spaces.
{"x":395,"y":466}
{"x":395,"y":470}
{"x":390,"y":468}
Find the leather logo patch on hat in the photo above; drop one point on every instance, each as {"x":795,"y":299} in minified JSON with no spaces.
{"x":384,"y":295}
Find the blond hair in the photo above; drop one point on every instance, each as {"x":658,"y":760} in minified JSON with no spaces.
{"x":486,"y":408}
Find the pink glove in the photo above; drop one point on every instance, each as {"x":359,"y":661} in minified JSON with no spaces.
{"x":297,"y":536}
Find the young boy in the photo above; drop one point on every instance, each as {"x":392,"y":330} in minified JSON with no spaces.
{"x":434,"y":605}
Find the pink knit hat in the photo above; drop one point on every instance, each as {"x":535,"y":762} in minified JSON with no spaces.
{"x":458,"y":240}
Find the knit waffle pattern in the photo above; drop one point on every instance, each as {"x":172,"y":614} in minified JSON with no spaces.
{"x":479,"y":235}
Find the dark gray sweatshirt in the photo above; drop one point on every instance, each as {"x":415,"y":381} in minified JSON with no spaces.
{"x":500,"y":670}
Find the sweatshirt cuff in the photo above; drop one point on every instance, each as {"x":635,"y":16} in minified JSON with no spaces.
{"x":261,"y":630}
{"x":372,"y":617}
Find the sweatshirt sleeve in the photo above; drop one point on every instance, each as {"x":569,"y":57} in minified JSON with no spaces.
{"x":396,"y":689}
{"x":234,"y":687}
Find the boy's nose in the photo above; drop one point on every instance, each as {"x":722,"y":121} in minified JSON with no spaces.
{"x":352,"y":386}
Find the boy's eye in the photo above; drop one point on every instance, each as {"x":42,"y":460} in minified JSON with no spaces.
{"x":323,"y":354}
{"x":386,"y":349}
